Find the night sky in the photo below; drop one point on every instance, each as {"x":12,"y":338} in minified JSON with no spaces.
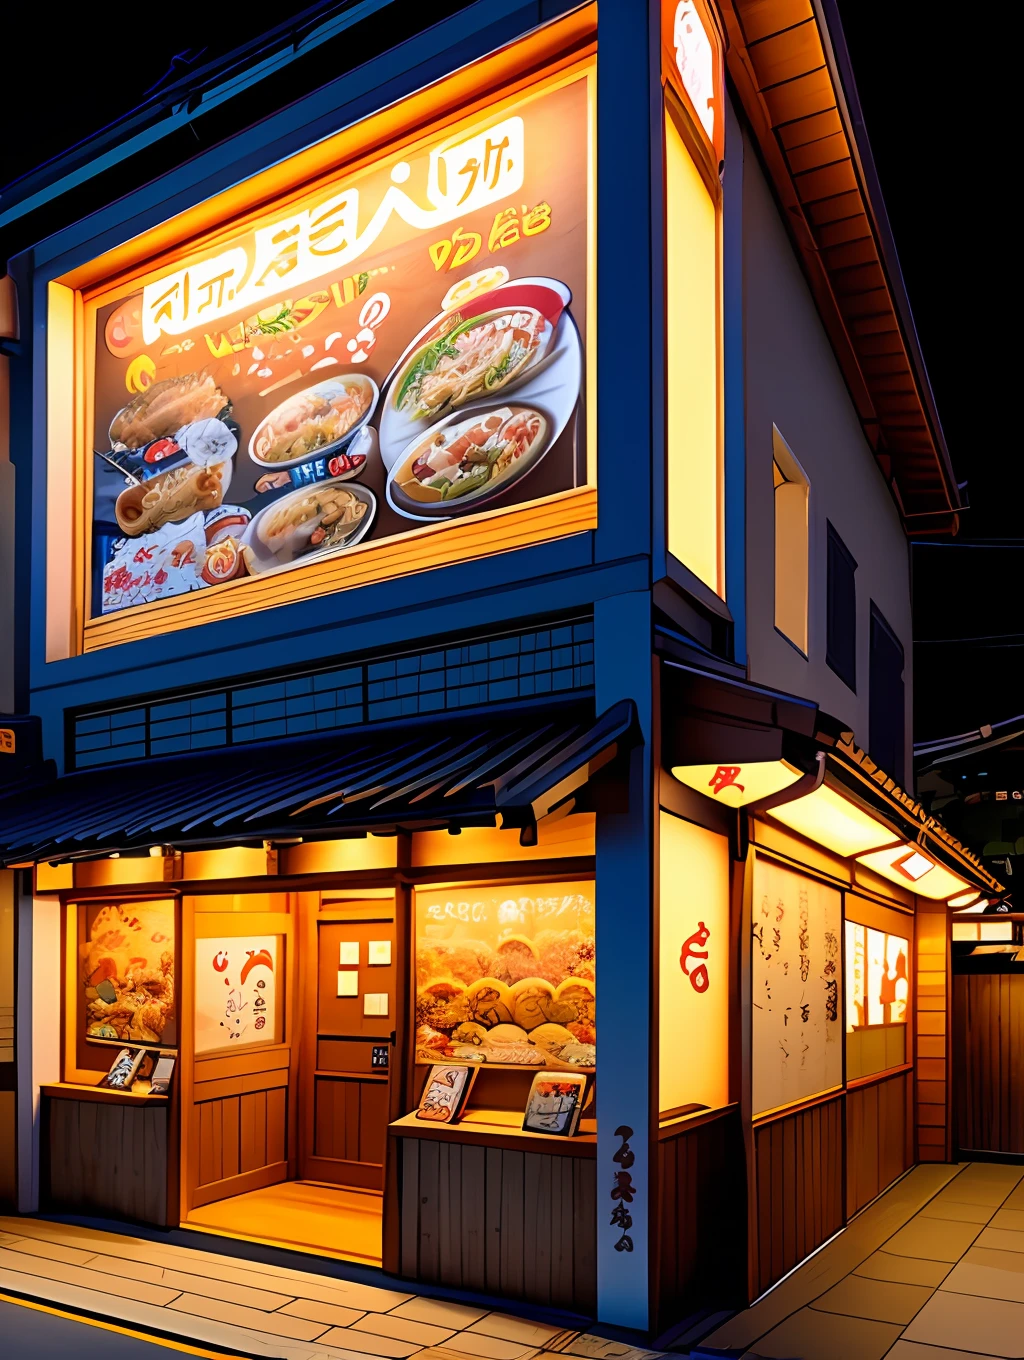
{"x":929,"y":87}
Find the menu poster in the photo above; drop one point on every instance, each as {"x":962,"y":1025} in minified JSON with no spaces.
{"x":237,"y":990}
{"x":399,"y":348}
{"x":797,"y":968}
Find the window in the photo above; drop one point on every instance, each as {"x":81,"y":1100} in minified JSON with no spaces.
{"x":877,"y":993}
{"x":886,"y":729}
{"x":841,"y":611}
{"x":691,"y":280}
{"x":792,"y":493}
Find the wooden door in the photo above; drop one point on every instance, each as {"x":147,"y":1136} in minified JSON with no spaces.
{"x":988,"y":1062}
{"x":351,"y":1027}
{"x":239,"y":1005}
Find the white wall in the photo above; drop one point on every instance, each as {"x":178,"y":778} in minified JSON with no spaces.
{"x":40,"y":979}
{"x":792,"y":380}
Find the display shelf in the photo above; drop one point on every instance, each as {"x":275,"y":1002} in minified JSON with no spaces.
{"x":500,"y":1129}
{"x":102,"y":1094}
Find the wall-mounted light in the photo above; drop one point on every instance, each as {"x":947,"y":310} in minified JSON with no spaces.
{"x":833,"y":821}
{"x":963,"y":899}
{"x":907,"y":865}
{"x":738,"y":785}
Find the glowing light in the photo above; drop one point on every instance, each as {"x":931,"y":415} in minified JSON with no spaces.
{"x":831,"y":820}
{"x":963,"y":899}
{"x":737,"y":785}
{"x":935,"y":882}
{"x":915,"y":865}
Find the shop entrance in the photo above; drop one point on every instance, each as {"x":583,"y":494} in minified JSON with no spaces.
{"x":288,"y":1058}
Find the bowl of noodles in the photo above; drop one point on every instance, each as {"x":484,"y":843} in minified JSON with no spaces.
{"x":315,"y":421}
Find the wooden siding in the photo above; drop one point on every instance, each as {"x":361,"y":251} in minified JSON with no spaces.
{"x":241,"y":1144}
{"x":878,"y":1137}
{"x":777,"y":61}
{"x":351,"y":1119}
{"x":519,"y":1225}
{"x":931,"y":1052}
{"x":703,"y":1214}
{"x":798,"y":1171}
{"x":105,"y":1159}
{"x":988,"y":1062}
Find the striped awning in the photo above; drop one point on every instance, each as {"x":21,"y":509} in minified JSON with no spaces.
{"x":470,"y":768}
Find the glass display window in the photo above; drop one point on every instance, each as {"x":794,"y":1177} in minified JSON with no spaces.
{"x":505,"y":975}
{"x":878,"y":977}
{"x":126,"y":973}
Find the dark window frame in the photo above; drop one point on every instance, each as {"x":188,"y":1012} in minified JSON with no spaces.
{"x":884,"y":733}
{"x":843,"y":666}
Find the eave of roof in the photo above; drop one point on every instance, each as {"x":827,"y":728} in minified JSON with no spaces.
{"x":790,"y":68}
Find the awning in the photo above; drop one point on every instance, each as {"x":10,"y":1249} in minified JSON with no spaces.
{"x":449,"y":769}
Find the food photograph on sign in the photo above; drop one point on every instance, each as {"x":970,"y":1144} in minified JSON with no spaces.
{"x":399,"y":348}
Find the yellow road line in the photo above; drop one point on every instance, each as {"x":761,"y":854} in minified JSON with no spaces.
{"x":182,"y":1346}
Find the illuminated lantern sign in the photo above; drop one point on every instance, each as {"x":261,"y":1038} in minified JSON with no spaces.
{"x":692,"y":65}
{"x":738,"y":785}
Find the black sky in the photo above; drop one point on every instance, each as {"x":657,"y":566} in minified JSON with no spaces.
{"x":931,"y":100}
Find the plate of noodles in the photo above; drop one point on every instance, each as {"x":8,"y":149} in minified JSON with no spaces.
{"x":315,"y":421}
{"x":313,"y":521}
{"x":499,"y":342}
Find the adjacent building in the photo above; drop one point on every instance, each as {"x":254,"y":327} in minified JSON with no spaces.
{"x":462,"y":580}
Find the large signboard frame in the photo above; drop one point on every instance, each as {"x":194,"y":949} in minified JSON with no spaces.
{"x":518,"y":268}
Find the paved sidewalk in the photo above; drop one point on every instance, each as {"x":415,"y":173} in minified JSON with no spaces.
{"x":250,"y":1307}
{"x":933,"y":1270}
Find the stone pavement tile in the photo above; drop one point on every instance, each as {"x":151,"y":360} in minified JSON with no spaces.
{"x":878,"y":1300}
{"x":933,"y":1239}
{"x":403,"y":1329}
{"x":912,"y":1350}
{"x":600,"y":1348}
{"x":1001,"y":1260}
{"x":1009,"y":1218}
{"x":45,"y":1270}
{"x":944,"y":1207}
{"x":441,"y":1314}
{"x":965,"y":1323}
{"x":71,"y":1256}
{"x":516,"y":1329}
{"x":330,"y":1314}
{"x":812,"y":1335}
{"x":489,"y":1347}
{"x":881,"y":1265}
{"x":364,"y":1343}
{"x":1003,"y":1239}
{"x":986,"y":1281}
{"x":276,"y":1324}
{"x":1016,"y":1199}
{"x":983,"y":1183}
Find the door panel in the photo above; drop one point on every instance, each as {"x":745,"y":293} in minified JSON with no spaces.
{"x":346,"y":1098}
{"x":239,"y":1110}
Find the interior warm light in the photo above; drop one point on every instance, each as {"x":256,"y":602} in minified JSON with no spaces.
{"x":963,"y":899}
{"x":974,"y":910}
{"x":737,"y":785}
{"x":833,"y":821}
{"x":915,"y":865}
{"x":935,"y":882}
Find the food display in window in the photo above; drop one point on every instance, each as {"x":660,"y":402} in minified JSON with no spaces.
{"x":507,"y":976}
{"x":127,"y":970}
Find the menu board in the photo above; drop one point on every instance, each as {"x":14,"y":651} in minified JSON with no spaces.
{"x":237,"y":993}
{"x":126,"y":972}
{"x":399,"y":349}
{"x":796,"y":985}
{"x":506,"y":975}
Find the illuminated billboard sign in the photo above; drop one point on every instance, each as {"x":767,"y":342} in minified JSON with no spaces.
{"x":398,"y":349}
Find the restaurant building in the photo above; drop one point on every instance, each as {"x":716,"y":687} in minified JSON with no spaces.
{"x":461,"y":573}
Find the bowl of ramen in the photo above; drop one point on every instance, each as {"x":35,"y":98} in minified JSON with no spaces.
{"x":310,"y":522}
{"x":162,"y":409}
{"x":471,"y":360}
{"x":314,"y":421}
{"x":459,"y":463}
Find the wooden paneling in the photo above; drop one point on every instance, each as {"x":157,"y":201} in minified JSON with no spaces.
{"x":702,"y":1226}
{"x":521,"y":1225}
{"x":237,"y":1136}
{"x":351,"y":1119}
{"x":877,"y":1137}
{"x":988,"y":1061}
{"x":931,"y":1056}
{"x":105,"y":1159}
{"x":799,"y":1186}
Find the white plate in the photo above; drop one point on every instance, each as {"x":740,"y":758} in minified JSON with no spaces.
{"x":553,"y":388}
{"x":327,"y":386}
{"x":397,"y":430}
{"x":266,"y":560}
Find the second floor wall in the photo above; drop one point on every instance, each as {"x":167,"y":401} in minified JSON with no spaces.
{"x":809,"y":467}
